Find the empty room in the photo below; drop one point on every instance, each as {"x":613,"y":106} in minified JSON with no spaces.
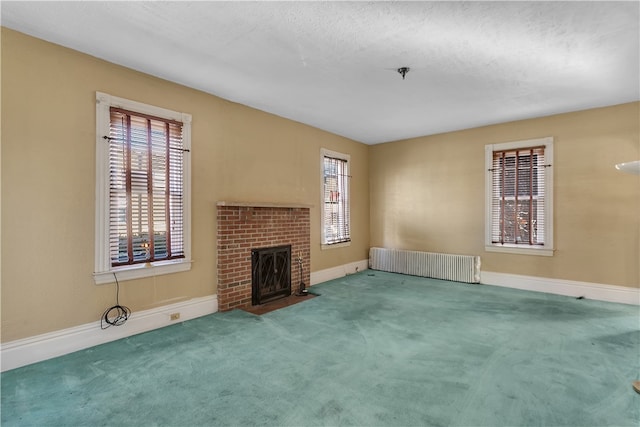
{"x":320,"y":213}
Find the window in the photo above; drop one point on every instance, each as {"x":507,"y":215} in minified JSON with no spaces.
{"x":336,"y":229}
{"x":142,"y":186}
{"x":519,"y":199}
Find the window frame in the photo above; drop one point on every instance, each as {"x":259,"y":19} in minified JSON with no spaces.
{"x":104,"y":272}
{"x":323,"y":238}
{"x":547,"y":249}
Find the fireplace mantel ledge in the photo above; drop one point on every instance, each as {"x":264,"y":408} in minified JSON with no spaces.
{"x":264,"y":205}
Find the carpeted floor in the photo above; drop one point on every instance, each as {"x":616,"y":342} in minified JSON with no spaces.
{"x":375,"y":349}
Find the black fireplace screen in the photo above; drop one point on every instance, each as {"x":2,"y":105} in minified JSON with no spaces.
{"x":270,"y":274}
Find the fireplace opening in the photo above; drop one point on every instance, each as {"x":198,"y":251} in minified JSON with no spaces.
{"x":270,"y":274}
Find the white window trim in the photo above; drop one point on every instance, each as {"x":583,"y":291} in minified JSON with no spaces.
{"x":335,"y":245}
{"x":103,"y":272}
{"x":336,"y":155}
{"x":547,"y":249}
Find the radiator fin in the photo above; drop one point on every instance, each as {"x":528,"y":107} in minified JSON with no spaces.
{"x":458,"y":268}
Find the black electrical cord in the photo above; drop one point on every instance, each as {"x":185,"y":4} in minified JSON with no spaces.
{"x":116,"y":315}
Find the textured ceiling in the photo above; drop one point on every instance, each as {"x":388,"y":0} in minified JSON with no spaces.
{"x":333,"y":65}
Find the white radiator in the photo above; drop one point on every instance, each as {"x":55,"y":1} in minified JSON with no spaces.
{"x":459,"y":268}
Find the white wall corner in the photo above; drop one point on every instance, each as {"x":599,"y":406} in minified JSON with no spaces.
{"x":339,"y":271}
{"x":594,"y":291}
{"x":30,"y":350}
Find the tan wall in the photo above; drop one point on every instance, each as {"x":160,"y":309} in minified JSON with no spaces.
{"x":48,"y":183}
{"x":428,"y":194}
{"x":425,"y":193}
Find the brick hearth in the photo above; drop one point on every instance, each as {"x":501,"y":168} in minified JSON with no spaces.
{"x":246,"y":226}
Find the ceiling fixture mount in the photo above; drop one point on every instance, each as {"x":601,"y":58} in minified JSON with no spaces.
{"x":403,"y":71}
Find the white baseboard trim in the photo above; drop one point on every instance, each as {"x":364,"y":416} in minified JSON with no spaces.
{"x":595,"y":291}
{"x":30,"y":350}
{"x":339,"y":271}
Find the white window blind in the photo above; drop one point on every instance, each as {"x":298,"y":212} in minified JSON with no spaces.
{"x":145,"y":188}
{"x":143,"y":197}
{"x":518,"y":196}
{"x":336,"y":227}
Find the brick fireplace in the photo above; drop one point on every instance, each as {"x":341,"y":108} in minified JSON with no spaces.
{"x":246,"y":226}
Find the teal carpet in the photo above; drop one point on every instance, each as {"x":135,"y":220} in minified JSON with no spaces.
{"x":376,"y":349}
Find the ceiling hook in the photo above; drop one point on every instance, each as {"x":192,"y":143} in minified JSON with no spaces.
{"x":403,"y":71}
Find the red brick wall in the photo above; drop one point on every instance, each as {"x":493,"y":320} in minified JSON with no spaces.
{"x":241,"y":229}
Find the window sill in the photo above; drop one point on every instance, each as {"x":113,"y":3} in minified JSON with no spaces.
{"x":140,"y":271}
{"x":335,"y":245}
{"x":519,"y":249}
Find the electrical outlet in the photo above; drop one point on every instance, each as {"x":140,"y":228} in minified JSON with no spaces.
{"x":175,"y":316}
